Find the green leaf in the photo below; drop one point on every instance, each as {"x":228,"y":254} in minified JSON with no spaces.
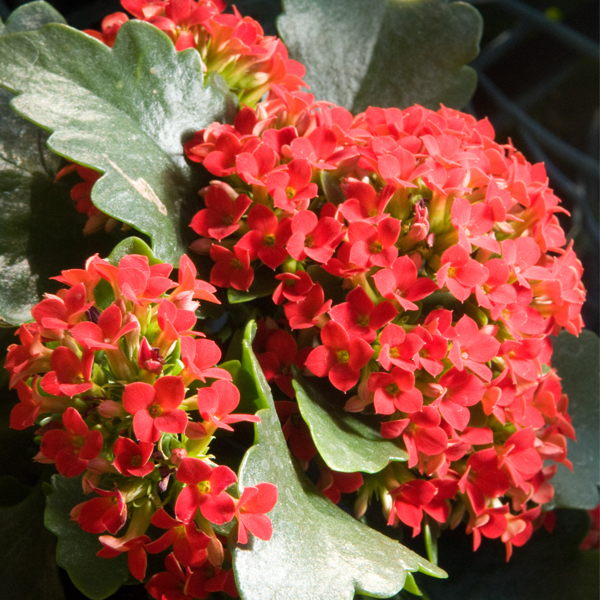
{"x":32,"y":16}
{"x":24,"y":170}
{"x":361,"y":53}
{"x":122,"y":111}
{"x":27,"y":567}
{"x":549,"y":566}
{"x":96,"y":577}
{"x":577,"y":361}
{"x":41,"y":231}
{"x":317,"y":551}
{"x":132,"y":245}
{"x":347,"y":442}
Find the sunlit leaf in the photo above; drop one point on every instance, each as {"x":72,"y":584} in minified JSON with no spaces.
{"x":317,"y":551}
{"x":123,"y":111}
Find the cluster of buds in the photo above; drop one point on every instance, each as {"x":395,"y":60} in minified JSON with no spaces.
{"x":125,"y":393}
{"x":418,"y":265}
{"x":229,"y":44}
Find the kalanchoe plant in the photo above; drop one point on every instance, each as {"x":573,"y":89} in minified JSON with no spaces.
{"x":126,"y":394}
{"x":379,"y":296}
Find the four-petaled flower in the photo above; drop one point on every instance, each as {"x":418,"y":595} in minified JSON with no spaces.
{"x":155,"y":409}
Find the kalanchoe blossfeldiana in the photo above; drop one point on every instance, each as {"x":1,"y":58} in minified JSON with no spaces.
{"x":229,"y":44}
{"x":452,"y":271}
{"x":125,"y":392}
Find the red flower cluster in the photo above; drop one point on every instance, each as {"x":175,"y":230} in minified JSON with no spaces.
{"x":452,"y":274}
{"x":231,"y":45}
{"x":124,"y":392}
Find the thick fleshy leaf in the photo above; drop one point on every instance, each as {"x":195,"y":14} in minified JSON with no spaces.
{"x":31,"y":16}
{"x":548,"y":566}
{"x":347,"y":442}
{"x":317,"y":551}
{"x":384,"y":52}
{"x":132,"y":245}
{"x":96,"y":577}
{"x":27,"y":566}
{"x":122,"y":111}
{"x":577,"y":359}
{"x":32,"y":207}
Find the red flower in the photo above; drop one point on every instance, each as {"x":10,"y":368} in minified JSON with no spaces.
{"x":205,"y":491}
{"x":291,"y":188}
{"x":250,"y":511}
{"x":73,"y":447}
{"x":131,"y":459}
{"x":108,"y":512}
{"x":170,"y":584}
{"x":313,"y":237}
{"x":70,"y":375}
{"x":334,"y":483}
{"x":155,"y":408}
{"x":267,"y":237}
{"x":395,"y":391}
{"x":340,"y":358}
{"x":104,"y":334}
{"x":373,"y":244}
{"x":472,"y":347}
{"x":398,"y":348}
{"x":189,"y":544}
{"x":421,"y":432}
{"x":306,"y":313}
{"x":360,"y":317}
{"x":519,"y":459}
{"x":200,"y":357}
{"x":224,"y":208}
{"x":293,"y":287}
{"x":460,"y":273}
{"x":215,"y":403}
{"x":231,"y":269}
{"x":401,"y":282}
{"x":410,"y":499}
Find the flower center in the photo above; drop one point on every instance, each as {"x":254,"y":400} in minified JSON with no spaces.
{"x":376,"y":247}
{"x":204,"y":487}
{"x":392,"y":389}
{"x":343,"y":356}
{"x":363,"y":321}
{"x":155,"y":410}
